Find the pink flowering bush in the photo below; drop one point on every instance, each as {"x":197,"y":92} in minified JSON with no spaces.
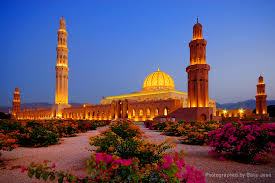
{"x":48,"y":172}
{"x":104,"y":167}
{"x":155,"y":125}
{"x":246,"y":141}
{"x":173,"y":169}
{"x":125,"y":140}
{"x":123,"y":155}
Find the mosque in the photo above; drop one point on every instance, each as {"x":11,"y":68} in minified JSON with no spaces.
{"x":158,"y":98}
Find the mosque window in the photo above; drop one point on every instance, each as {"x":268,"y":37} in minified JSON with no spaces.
{"x":165,"y":111}
{"x":148,"y":112}
{"x":156,"y":112}
{"x":134,"y":113}
{"x":140,"y":112}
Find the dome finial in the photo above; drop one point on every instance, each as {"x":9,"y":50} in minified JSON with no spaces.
{"x":158,"y":67}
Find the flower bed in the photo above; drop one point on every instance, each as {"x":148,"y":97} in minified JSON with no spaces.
{"x":126,"y":129}
{"x":41,"y":133}
{"x":123,"y":155}
{"x":244,"y":141}
{"x":103,"y":167}
{"x":195,"y":133}
{"x":125,"y":140}
{"x":7,"y":140}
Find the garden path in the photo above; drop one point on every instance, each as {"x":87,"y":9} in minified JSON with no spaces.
{"x":71,"y":154}
{"x":199,"y":157}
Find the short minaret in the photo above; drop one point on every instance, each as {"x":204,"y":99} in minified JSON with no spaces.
{"x":198,"y":70}
{"x":16,"y":104}
{"x":61,"y":89}
{"x":261,"y":108}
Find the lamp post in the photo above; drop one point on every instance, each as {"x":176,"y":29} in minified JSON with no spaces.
{"x":225,"y":112}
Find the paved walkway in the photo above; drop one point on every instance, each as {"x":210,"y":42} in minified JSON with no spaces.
{"x":72,"y":154}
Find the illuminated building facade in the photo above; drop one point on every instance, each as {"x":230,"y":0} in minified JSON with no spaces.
{"x":157,"y":86}
{"x":234,"y":113}
{"x":158,"y":98}
{"x":261,"y":107}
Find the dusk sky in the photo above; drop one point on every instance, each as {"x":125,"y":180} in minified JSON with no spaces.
{"x":114,"y":45}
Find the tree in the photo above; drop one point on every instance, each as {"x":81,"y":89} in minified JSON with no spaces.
{"x":271,"y":110}
{"x":4,"y":116}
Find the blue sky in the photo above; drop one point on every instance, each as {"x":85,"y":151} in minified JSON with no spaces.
{"x":114,"y":45}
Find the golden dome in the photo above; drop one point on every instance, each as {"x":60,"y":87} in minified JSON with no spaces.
{"x":157,"y":81}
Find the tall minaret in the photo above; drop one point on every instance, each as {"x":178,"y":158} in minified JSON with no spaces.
{"x":16,"y":104}
{"x":261,"y":108}
{"x":198,"y":70}
{"x":61,"y":87}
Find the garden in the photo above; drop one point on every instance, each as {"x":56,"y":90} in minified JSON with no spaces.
{"x":123,"y":155}
{"x":125,"y":151}
{"x":15,"y":133}
{"x":242,"y":141}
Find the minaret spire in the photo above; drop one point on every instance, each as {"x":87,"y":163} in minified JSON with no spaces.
{"x":261,"y":108}
{"x":197,"y":30}
{"x":62,"y":24}
{"x":62,"y":69}
{"x":198,"y":70}
{"x":16,"y":104}
{"x":158,"y":67}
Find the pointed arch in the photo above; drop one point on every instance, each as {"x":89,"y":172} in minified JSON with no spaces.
{"x":148,"y":112}
{"x":165,"y":112}
{"x":156,"y":112}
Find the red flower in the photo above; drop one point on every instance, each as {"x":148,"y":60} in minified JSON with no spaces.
{"x":221,"y":158}
{"x":53,"y":166}
{"x":23,"y":169}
